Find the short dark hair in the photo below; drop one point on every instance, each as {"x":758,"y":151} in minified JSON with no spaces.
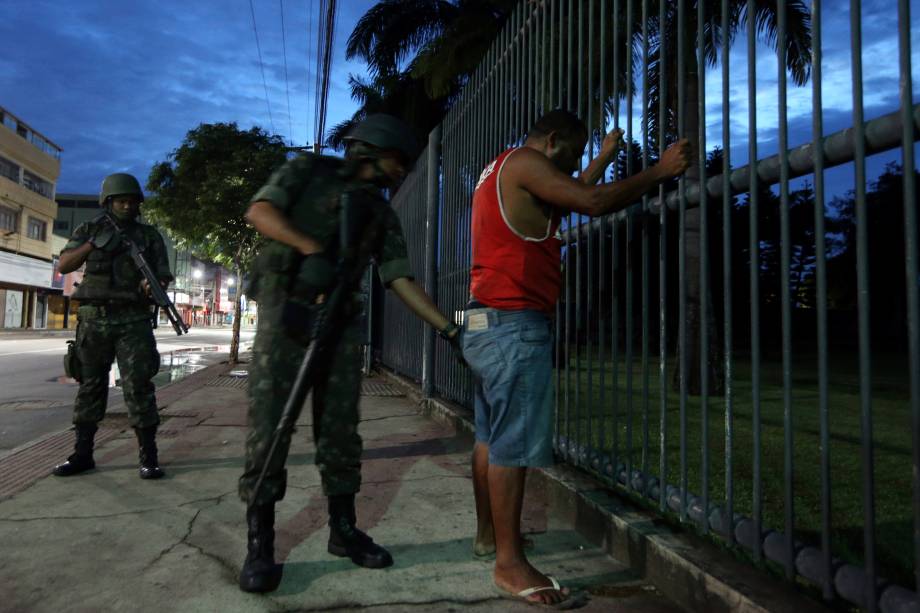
{"x":564,"y":123}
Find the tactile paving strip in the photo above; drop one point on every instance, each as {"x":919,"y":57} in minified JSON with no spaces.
{"x":22,"y":468}
{"x":373,"y":388}
{"x":225,"y":381}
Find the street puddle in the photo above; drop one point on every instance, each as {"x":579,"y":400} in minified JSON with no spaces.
{"x":176,"y":365}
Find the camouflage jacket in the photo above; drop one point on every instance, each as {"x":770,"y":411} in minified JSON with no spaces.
{"x":307,"y":190}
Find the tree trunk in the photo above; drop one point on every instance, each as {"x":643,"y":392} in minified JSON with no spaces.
{"x":237,"y":316}
{"x":693,"y":324}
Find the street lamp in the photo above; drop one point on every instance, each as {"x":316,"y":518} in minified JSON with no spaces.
{"x":230,"y":281}
{"x":197,"y":273}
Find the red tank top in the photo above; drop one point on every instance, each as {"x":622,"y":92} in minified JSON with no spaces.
{"x":511,"y":271}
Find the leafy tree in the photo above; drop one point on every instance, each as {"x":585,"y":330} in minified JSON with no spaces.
{"x":200,"y":193}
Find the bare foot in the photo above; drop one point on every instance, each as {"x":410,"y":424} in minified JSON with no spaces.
{"x":520,"y":577}
{"x":485,"y":546}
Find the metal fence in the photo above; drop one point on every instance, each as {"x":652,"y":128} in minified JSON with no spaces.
{"x":762,"y":426}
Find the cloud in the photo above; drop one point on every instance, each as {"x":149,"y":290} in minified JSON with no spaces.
{"x":119,"y":84}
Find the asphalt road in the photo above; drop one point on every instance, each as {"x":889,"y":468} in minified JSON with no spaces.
{"x":36,"y":399}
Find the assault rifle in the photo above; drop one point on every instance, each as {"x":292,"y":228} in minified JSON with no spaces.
{"x":160,"y":298}
{"x":360,"y":227}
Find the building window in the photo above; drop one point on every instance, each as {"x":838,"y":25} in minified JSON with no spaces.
{"x":37,"y":184}
{"x":22,"y":131}
{"x":61,"y":226}
{"x":9,"y":122}
{"x":9,"y":220}
{"x":36,"y":229}
{"x":9,"y":170}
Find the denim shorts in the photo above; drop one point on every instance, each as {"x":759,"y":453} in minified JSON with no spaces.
{"x":510,"y":354}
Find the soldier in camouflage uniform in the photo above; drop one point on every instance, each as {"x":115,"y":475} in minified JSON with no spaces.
{"x":298,"y":210}
{"x":114,"y":322}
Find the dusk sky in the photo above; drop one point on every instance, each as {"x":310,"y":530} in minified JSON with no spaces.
{"x":118,"y":84}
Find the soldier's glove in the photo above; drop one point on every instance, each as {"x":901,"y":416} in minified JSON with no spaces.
{"x":317,"y":272}
{"x":105,"y":238}
{"x":453,"y":334}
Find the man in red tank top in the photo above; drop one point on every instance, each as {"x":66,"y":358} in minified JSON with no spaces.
{"x":515,"y":281}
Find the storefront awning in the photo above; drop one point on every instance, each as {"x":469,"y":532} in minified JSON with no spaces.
{"x":23,"y":270}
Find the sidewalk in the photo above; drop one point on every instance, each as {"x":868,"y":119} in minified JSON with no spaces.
{"x":108,"y":541}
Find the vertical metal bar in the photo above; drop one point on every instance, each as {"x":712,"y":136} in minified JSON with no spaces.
{"x":682,"y":253}
{"x":662,"y":269}
{"x":862,"y":285}
{"x":614,"y":342}
{"x":704,"y":259}
{"x":602,"y":279}
{"x":727,"y":281}
{"x":568,"y":64}
{"x":645,"y":252}
{"x":560,"y":99}
{"x":520,"y":103}
{"x":754,"y":247}
{"x":785,"y":254}
{"x":628,"y":246}
{"x":431,"y":238}
{"x":544,"y":41}
{"x":532,"y":73}
{"x":910,"y":248}
{"x":817,"y":132}
{"x":581,"y":56}
{"x":616,"y":73}
{"x":591,"y":304}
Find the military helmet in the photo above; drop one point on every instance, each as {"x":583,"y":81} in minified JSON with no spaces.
{"x":385,"y":132}
{"x":120,"y":184}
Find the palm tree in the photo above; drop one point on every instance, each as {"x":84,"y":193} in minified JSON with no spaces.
{"x":798,"y":65}
{"x":419,"y":54}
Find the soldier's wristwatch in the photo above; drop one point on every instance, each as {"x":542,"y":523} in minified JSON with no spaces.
{"x":448,"y":332}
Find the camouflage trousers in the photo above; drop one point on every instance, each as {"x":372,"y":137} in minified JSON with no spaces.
{"x":276,"y":359}
{"x":98,"y":345}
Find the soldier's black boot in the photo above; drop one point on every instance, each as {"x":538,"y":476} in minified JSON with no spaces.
{"x":81,"y":460}
{"x":345,"y":540}
{"x":147,"y":452}
{"x":259,"y":572}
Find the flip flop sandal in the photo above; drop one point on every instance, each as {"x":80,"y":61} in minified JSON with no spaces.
{"x":571,"y":601}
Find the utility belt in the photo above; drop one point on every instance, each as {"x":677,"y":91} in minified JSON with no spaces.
{"x":97,"y":310}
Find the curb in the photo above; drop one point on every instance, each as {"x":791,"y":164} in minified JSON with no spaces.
{"x":31,"y":461}
{"x":691,"y":571}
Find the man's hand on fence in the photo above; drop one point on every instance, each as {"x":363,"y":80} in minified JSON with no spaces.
{"x":676,"y":159}
{"x":612,"y":143}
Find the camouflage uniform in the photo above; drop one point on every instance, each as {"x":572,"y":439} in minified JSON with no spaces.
{"x":307,"y":191}
{"x":114,"y":322}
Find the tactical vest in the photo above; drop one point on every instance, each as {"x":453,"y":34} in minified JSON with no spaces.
{"x":280,"y":270}
{"x":112,"y":276}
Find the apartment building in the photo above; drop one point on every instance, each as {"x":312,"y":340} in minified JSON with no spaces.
{"x":30,"y":164}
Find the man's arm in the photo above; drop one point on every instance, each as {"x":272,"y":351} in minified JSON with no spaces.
{"x":271,"y":222}
{"x":72,"y":259}
{"x":595,"y":170}
{"x":418,"y":302}
{"x":532,"y":171}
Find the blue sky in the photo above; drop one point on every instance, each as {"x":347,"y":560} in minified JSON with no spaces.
{"x":118,"y":84}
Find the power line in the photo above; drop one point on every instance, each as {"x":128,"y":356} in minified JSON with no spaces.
{"x":309,"y":48}
{"x":287,"y":87}
{"x":261,"y":65}
{"x":327,"y":35}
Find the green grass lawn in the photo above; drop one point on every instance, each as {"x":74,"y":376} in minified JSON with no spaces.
{"x":892,"y":436}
